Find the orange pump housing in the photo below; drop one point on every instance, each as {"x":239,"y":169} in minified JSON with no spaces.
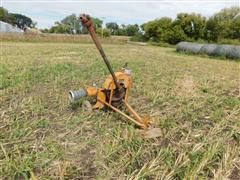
{"x":123,"y":78}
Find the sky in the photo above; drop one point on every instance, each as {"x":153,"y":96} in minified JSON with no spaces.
{"x":46,"y":12}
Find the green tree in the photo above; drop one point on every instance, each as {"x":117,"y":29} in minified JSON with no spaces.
{"x":212,"y":30}
{"x":45,"y":30}
{"x":175,"y":35}
{"x":121,"y":30}
{"x":235,"y":28}
{"x":97,"y":23}
{"x":23,"y":21}
{"x":132,"y":30}
{"x":73,"y":23}
{"x":3,"y":13}
{"x":156,"y":30}
{"x":6,"y":17}
{"x":103,"y":32}
{"x":60,"y":28}
{"x":223,"y":24}
{"x":164,"y":30}
{"x":193,"y":24}
{"x":113,"y":27}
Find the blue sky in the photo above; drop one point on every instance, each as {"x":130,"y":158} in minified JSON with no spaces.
{"x":46,"y":12}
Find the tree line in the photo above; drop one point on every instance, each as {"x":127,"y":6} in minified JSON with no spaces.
{"x":19,"y":20}
{"x":185,"y":27}
{"x":72,"y":25}
{"x":192,"y":27}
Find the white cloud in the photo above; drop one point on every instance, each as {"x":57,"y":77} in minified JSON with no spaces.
{"x":47,"y":12}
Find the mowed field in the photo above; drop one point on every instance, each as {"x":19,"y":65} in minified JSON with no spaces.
{"x":195,"y":101}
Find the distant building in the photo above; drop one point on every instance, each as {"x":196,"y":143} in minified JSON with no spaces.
{"x":8,"y":28}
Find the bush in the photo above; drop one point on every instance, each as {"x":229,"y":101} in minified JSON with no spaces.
{"x":103,"y":32}
{"x":60,"y":29}
{"x":175,"y":35}
{"x":139,"y":38}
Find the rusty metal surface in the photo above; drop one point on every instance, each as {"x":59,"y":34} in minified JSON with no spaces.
{"x":87,"y":22}
{"x":114,"y":92}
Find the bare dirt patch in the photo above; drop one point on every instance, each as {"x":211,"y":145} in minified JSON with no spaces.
{"x":186,"y":86}
{"x":235,"y":175}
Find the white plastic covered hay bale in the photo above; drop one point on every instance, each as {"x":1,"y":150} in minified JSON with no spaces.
{"x":181,"y":46}
{"x":189,"y":47}
{"x":208,"y":49}
{"x":228,"y":51}
{"x":222,"y":50}
{"x":235,"y":52}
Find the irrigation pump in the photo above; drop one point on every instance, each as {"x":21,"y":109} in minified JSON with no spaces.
{"x":115,"y":90}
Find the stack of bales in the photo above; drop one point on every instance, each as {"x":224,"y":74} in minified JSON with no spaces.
{"x":189,"y":47}
{"x":208,"y":49}
{"x":229,"y":51}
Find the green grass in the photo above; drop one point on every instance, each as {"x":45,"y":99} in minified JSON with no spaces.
{"x":194,"y":100}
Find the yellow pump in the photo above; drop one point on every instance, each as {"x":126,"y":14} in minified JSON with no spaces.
{"x":115,"y":90}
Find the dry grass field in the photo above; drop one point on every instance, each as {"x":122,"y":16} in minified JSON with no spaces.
{"x":66,"y":38}
{"x":195,"y":101}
